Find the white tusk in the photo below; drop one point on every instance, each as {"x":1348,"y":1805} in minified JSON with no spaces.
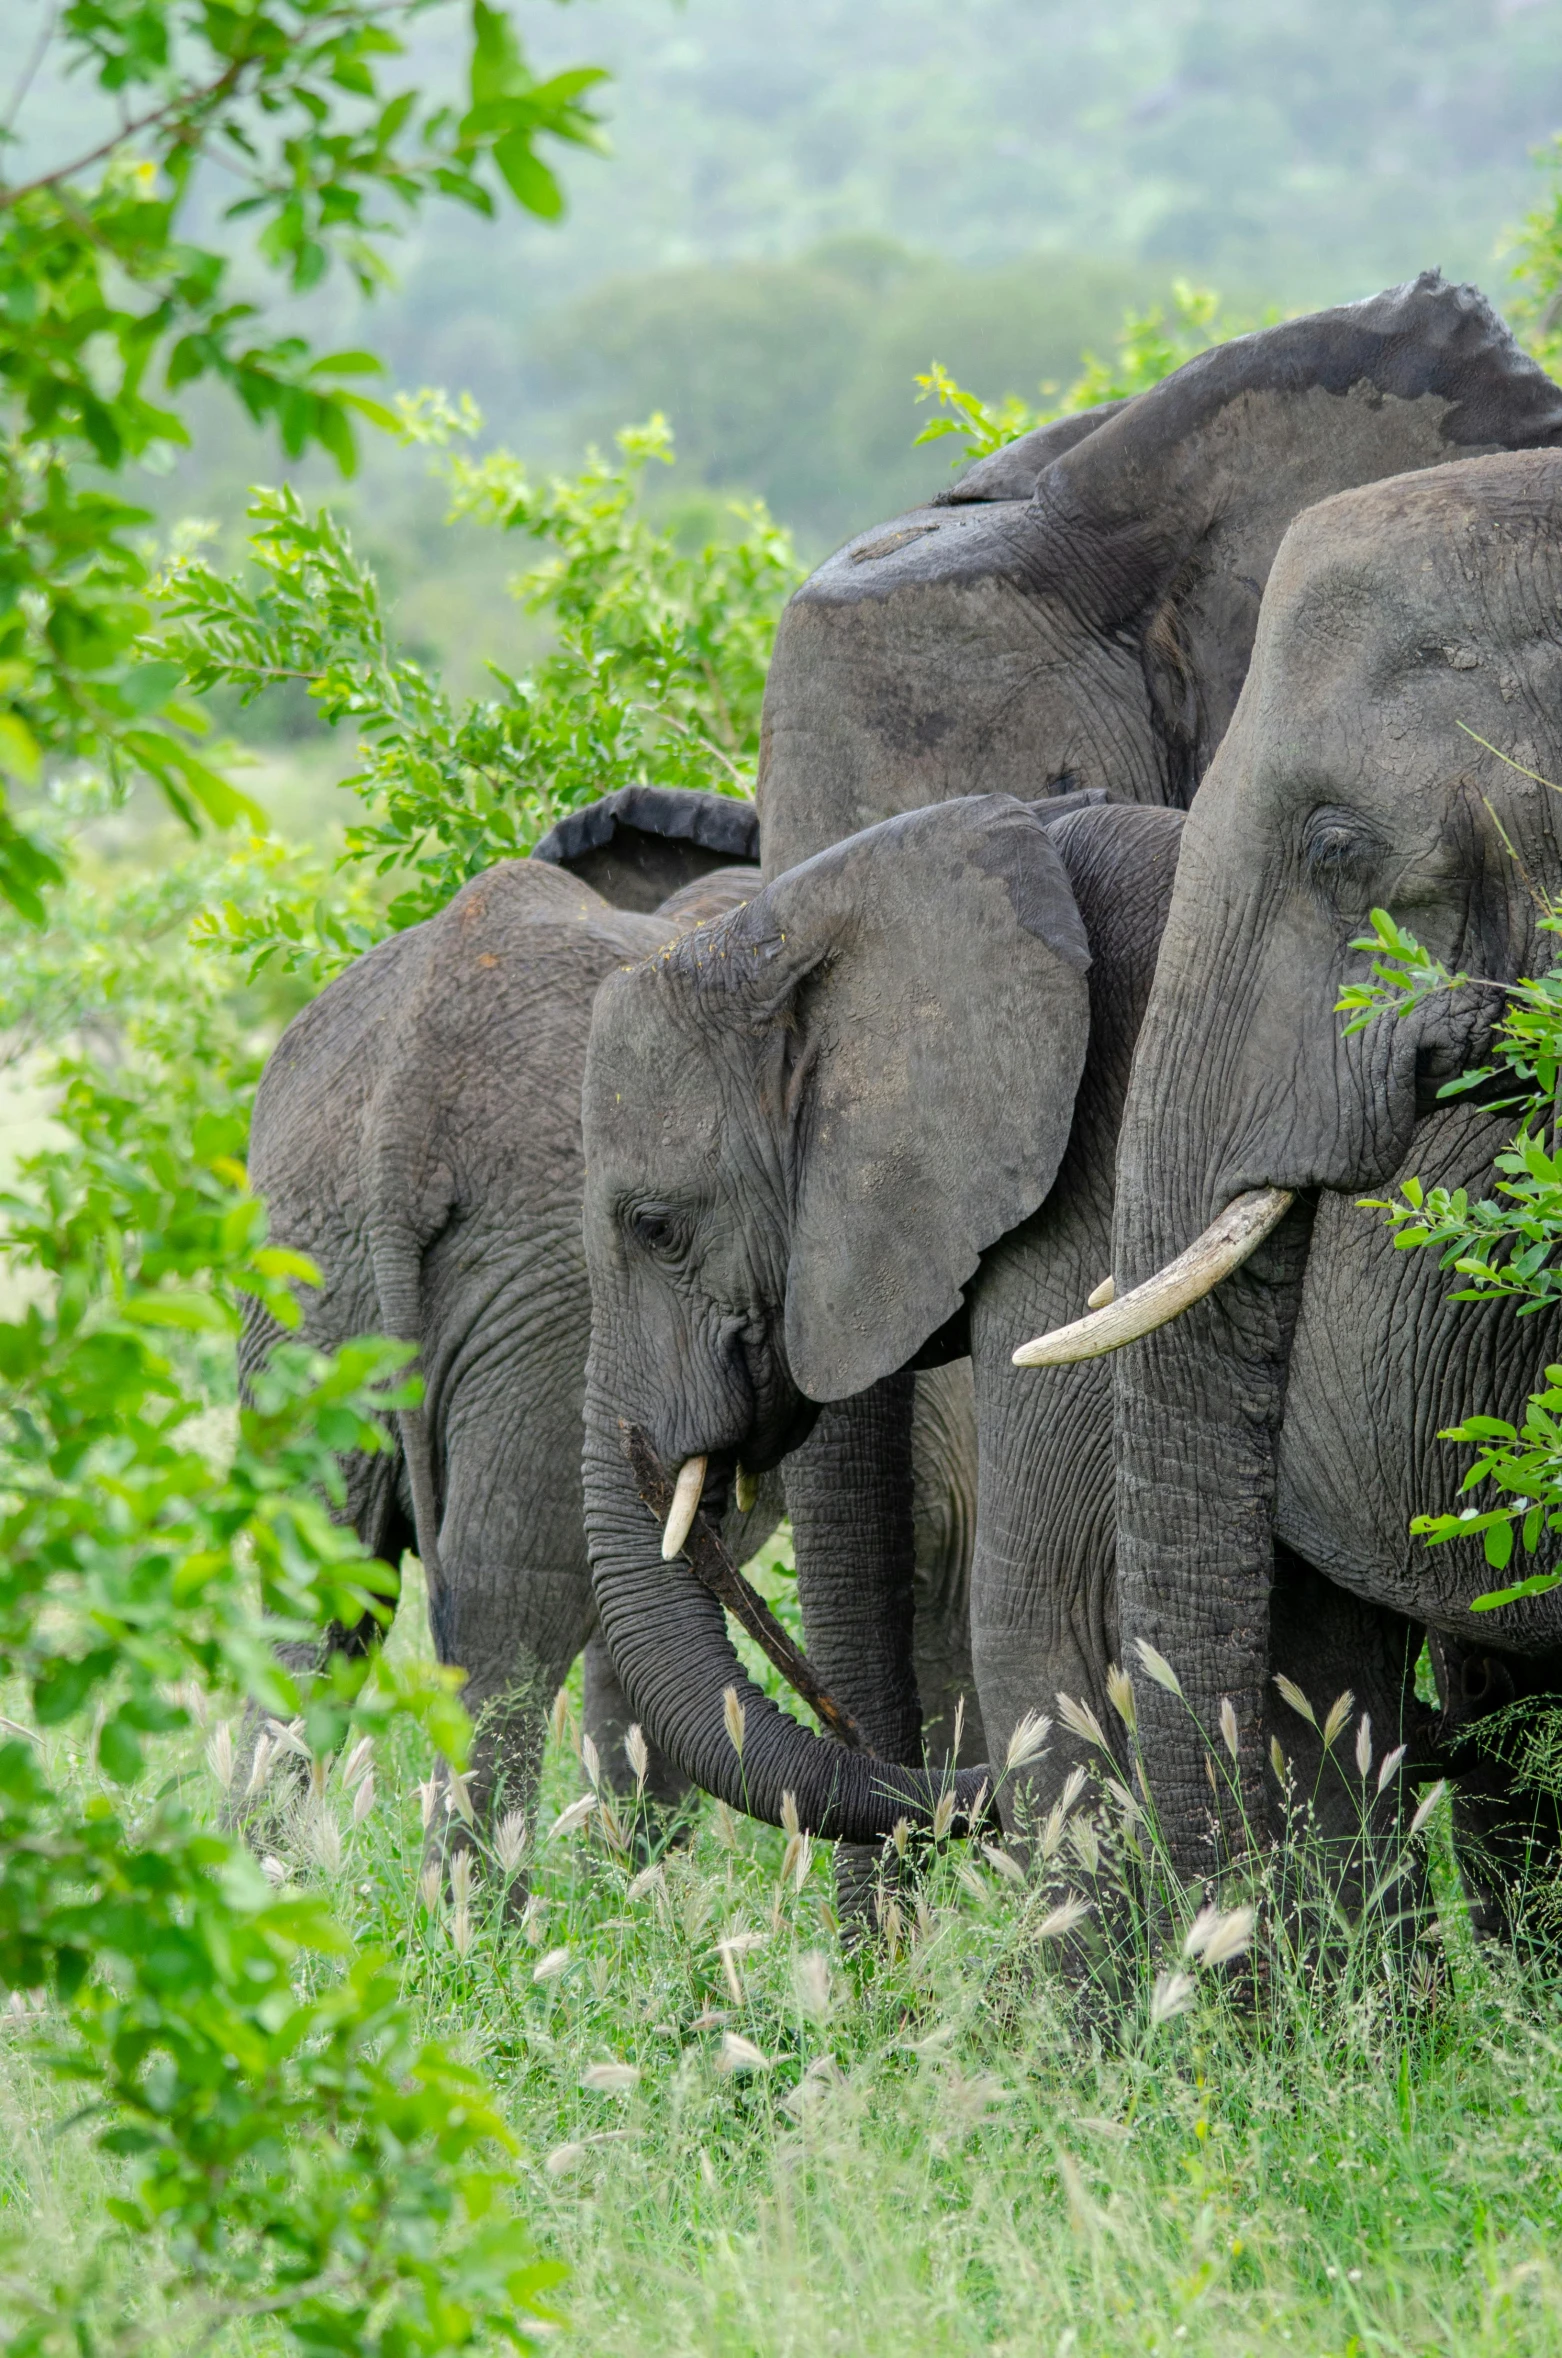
{"x":1104,"y":1296}
{"x":1224,"y":1246}
{"x":685,"y":1506}
{"x":746,"y":1491}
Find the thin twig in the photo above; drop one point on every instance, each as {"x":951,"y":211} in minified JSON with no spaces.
{"x":697,"y":736}
{"x":172,"y":109}
{"x":30,"y":69}
{"x":714,"y":1569}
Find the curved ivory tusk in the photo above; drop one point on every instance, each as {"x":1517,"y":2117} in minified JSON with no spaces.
{"x":1224,"y":1246}
{"x":745,"y":1488}
{"x":1104,"y":1296}
{"x":685,"y":1506}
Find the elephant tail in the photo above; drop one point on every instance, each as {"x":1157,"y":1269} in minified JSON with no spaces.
{"x":398,"y":1283}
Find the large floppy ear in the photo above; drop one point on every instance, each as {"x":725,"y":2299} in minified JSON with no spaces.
{"x":1171,"y":512}
{"x":927,"y":1031}
{"x":640,"y":845}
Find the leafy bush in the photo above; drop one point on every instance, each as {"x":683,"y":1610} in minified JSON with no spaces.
{"x":108,"y":311}
{"x":290,"y":2150}
{"x":655,"y":674}
{"x":293,"y":2146}
{"x":1504,"y":1246}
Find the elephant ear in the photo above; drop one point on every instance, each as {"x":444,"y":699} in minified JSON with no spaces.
{"x":928,"y":1019}
{"x":644,"y":843}
{"x":1169,"y":514}
{"x":1013,"y":471}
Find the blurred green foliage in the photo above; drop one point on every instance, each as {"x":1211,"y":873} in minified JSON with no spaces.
{"x":292,"y":2151}
{"x":790,"y":379}
{"x":109,"y":310}
{"x":1537,"y":309}
{"x":654,"y":673}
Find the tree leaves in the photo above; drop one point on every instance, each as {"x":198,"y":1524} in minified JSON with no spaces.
{"x":100,"y":293}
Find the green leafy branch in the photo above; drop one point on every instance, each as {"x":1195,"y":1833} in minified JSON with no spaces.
{"x":1149,"y":346}
{"x":1503,"y":1246}
{"x":655,"y":675}
{"x":108,"y":312}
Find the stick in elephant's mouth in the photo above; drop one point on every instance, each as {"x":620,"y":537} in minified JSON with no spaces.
{"x":715,"y":1570}
{"x":1224,"y":1246}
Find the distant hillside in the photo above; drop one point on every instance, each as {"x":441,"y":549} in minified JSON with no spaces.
{"x":808,"y":203}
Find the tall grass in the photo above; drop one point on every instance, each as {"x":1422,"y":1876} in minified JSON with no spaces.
{"x":744,"y":2140}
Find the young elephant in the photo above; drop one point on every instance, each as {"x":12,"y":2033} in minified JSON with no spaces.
{"x":821,"y":1136}
{"x":1407,"y":629}
{"x":417,"y":1133}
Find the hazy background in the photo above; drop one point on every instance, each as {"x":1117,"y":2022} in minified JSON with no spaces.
{"x":809,"y":201}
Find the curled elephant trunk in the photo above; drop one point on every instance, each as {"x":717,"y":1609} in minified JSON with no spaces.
{"x":668,"y":1638}
{"x":1119,"y":1319}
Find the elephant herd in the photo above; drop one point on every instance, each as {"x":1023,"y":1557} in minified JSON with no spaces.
{"x":781,"y":1136}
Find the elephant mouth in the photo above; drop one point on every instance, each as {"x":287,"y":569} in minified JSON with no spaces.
{"x":708,"y":1483}
{"x":1225,"y":1244}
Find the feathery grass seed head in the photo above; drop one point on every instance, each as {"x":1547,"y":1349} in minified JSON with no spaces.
{"x":1120,"y":1694}
{"x":1026,"y":1743}
{"x":1157,"y":1667}
{"x":1339,"y":1714}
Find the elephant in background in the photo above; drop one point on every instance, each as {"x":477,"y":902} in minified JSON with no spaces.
{"x":1079,"y":609}
{"x":1076,"y":615}
{"x":918,"y":1043}
{"x":417,"y":1133}
{"x":1300,"y":1399}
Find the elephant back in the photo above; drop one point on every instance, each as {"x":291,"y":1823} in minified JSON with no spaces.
{"x":1090,"y":624}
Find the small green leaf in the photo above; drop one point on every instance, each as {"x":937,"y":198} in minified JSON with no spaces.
{"x":150,"y":685}
{"x":195,"y":1313}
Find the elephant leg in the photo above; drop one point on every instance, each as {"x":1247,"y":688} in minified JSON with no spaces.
{"x":513,"y":1606}
{"x":1334,"y":1645}
{"x":608,"y":1720}
{"x":849,"y":1489}
{"x":1043,"y":1618}
{"x":375,"y":1508}
{"x":1507,"y":1807}
{"x":943,"y":1493}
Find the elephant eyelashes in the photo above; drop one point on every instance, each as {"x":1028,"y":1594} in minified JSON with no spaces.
{"x":1342,"y":860}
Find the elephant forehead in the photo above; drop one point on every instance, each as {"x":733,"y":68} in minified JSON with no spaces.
{"x":640,"y":1055}
{"x":1451,"y":606}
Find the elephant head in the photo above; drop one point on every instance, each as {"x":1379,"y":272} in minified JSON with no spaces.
{"x":1409,"y":628}
{"x":803,"y":1127}
{"x":1094,"y":631}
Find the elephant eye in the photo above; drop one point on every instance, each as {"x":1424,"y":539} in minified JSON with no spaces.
{"x":1342,"y":858}
{"x":656,"y":1228}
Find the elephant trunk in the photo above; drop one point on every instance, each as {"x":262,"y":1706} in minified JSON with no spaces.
{"x":1197,"y":1426}
{"x":668,"y":1637}
{"x":1197,"y":1408}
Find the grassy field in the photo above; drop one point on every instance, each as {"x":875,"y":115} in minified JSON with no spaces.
{"x":743,"y":2140}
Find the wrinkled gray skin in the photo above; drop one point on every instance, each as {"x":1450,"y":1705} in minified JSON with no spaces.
{"x":1077,"y":612}
{"x":896,"y":1037}
{"x":1397,"y":618}
{"x":417,"y":1132}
